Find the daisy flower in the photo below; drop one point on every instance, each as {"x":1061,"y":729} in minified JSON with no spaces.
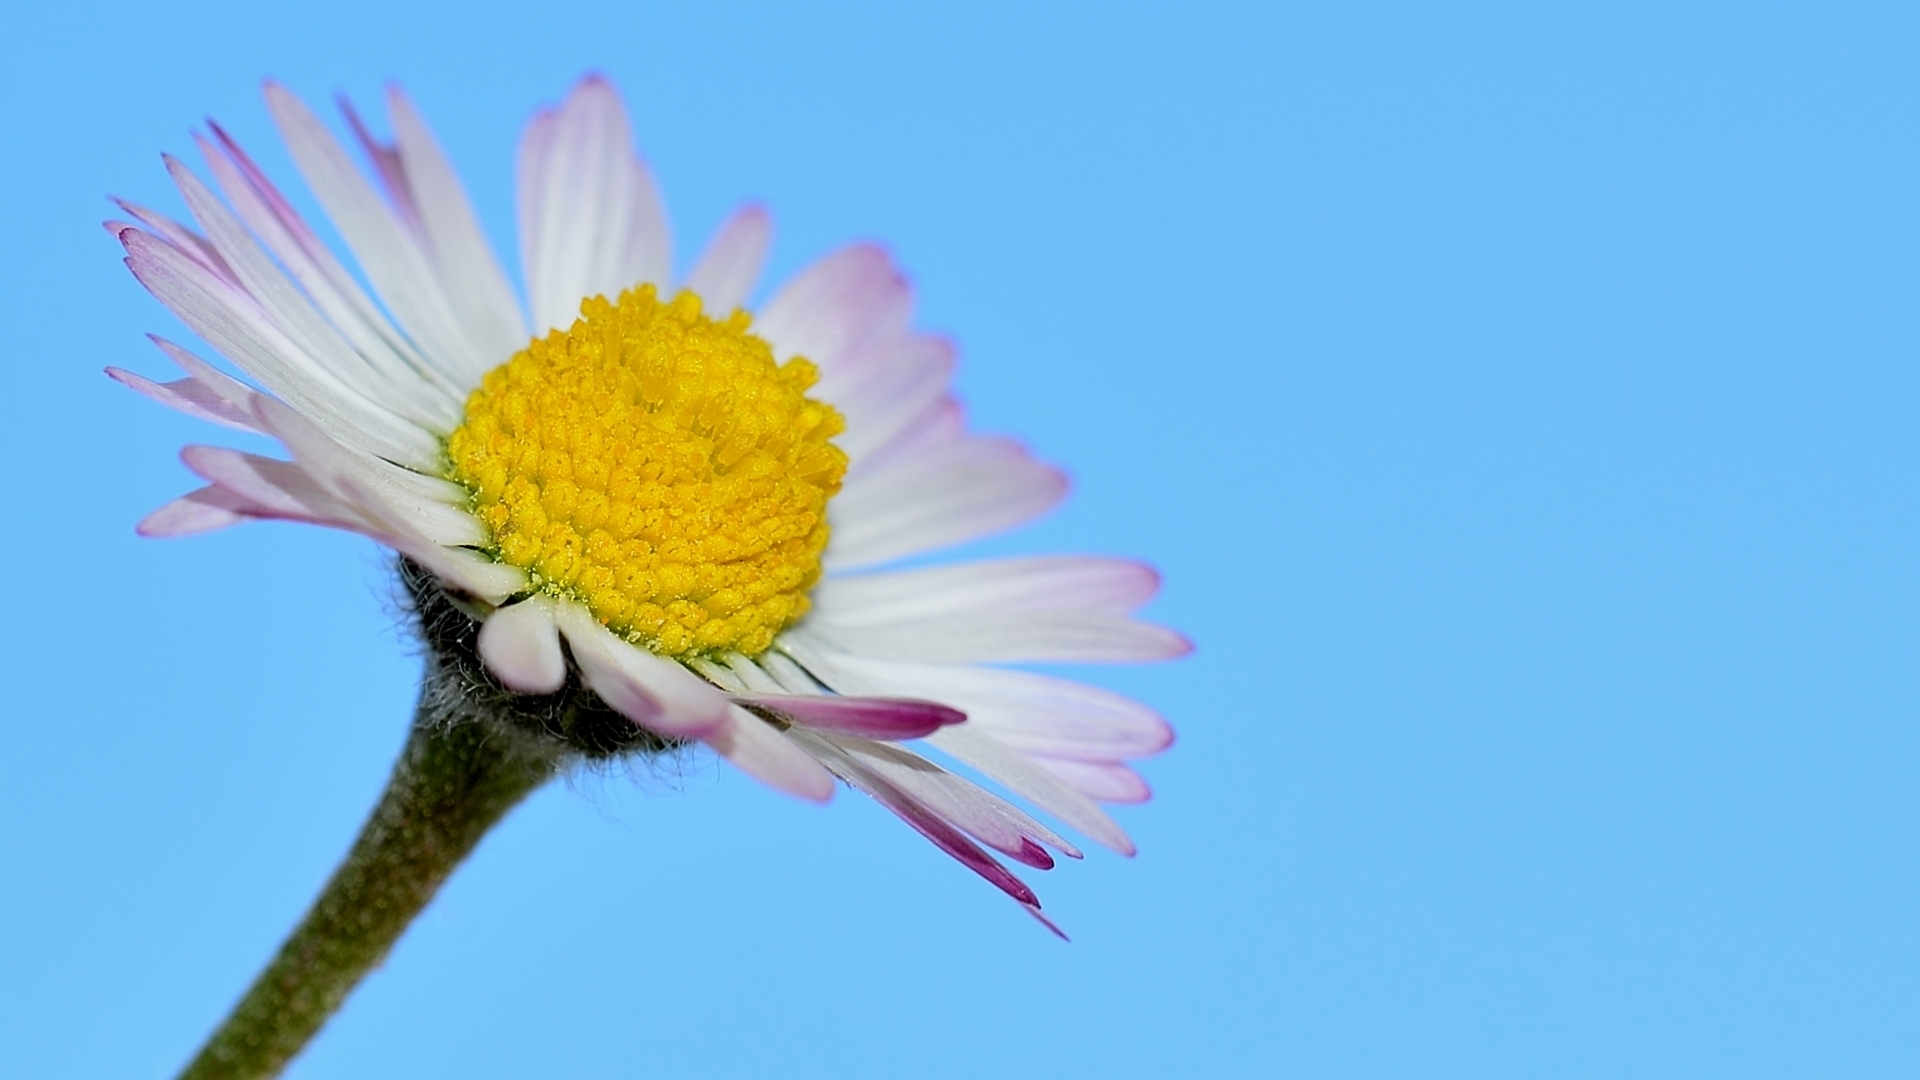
{"x":636,"y":491}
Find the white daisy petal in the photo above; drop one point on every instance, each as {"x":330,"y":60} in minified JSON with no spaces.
{"x":730,"y":267}
{"x":327,"y":283}
{"x":973,"y":489}
{"x":226,"y":316}
{"x":191,"y":243}
{"x":234,"y":393}
{"x":790,"y":676}
{"x":591,"y":219}
{"x":189,"y":396}
{"x":1029,"y":712}
{"x":938,"y":430}
{"x":471,"y":273}
{"x":389,"y":253}
{"x":887,"y":387}
{"x":399,"y":493}
{"x":835,"y":305}
{"x":755,"y":748}
{"x":752,"y":677}
{"x":1104,"y":780}
{"x":652,"y":692}
{"x":925,"y":820}
{"x":1085,"y":637}
{"x":979,"y":744}
{"x":290,"y":311}
{"x":275,"y":489}
{"x":521,"y":646}
{"x":196,"y":512}
{"x":388,"y":167}
{"x":1031,"y":583}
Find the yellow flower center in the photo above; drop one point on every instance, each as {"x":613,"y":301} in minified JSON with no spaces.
{"x":657,"y":466}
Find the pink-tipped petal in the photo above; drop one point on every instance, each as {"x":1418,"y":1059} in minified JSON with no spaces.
{"x":190,"y":243}
{"x":591,"y":219}
{"x":229,"y":318}
{"x":923,"y":819}
{"x":654,"y":693}
{"x":979,"y":813}
{"x":755,"y":748}
{"x":730,"y":267}
{"x":834,"y":306}
{"x":1010,"y":637}
{"x":887,"y":385}
{"x":971,"y":489}
{"x":983,"y":749}
{"x":470,"y":272}
{"x":200,"y":511}
{"x":521,"y":647}
{"x":392,"y":254}
{"x":1034,"y":583}
{"x":275,"y":489}
{"x":386,"y":163}
{"x":867,"y":718}
{"x":236,"y":394}
{"x":1032,"y":713}
{"x":189,"y":396}
{"x":1104,"y":780}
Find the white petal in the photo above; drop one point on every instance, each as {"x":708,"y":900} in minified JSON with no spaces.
{"x":835,"y":305}
{"x":1033,"y":713}
{"x":276,"y":489}
{"x":400,"y":494}
{"x":332,"y":289}
{"x":1009,"y":637}
{"x":973,"y":489}
{"x":229,"y":319}
{"x":236,"y":394}
{"x":938,"y":430}
{"x":1104,"y":780}
{"x":289,"y":310}
{"x":521,"y":646}
{"x":1032,"y":583}
{"x":189,"y":396}
{"x":469,"y":271}
{"x":591,"y":219}
{"x":200,"y":511}
{"x":757,"y":749}
{"x":730,"y":267}
{"x":887,"y":386}
{"x":1029,"y":779}
{"x":984,"y":816}
{"x":975,"y":742}
{"x":391,"y":255}
{"x":653,"y":692}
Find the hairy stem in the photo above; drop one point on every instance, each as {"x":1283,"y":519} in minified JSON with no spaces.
{"x":453,"y":781}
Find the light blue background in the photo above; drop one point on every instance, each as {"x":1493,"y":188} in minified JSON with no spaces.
{"x":1520,"y":400}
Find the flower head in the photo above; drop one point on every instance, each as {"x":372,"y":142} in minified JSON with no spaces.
{"x":645,"y":495}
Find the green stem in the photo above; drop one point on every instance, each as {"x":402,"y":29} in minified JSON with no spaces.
{"x":452,"y":783}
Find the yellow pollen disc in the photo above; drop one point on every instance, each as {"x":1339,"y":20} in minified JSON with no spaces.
{"x":659,"y":467}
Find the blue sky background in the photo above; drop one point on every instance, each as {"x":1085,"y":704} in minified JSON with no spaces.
{"x":1520,"y":400}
